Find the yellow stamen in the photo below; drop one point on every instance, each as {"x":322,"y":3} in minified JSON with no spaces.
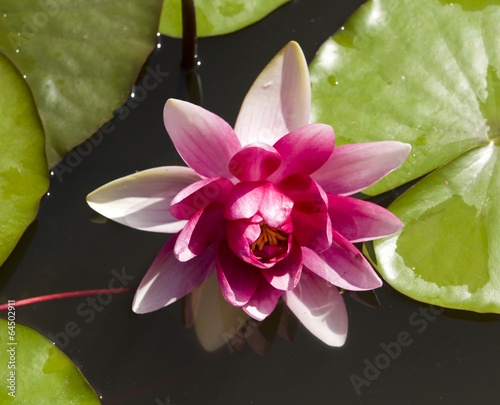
{"x":269,"y":236}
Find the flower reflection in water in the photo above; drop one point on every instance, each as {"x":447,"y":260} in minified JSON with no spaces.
{"x":217,"y":323}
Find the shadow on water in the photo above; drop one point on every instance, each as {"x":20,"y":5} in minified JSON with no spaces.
{"x":10,"y":266}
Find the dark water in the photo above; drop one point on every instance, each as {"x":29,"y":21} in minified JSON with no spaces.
{"x":401,"y":353}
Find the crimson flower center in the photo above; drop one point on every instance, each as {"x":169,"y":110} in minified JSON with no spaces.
{"x":269,"y":237}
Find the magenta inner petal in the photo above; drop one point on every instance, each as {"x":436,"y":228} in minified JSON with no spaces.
{"x":276,"y":207}
{"x":304,"y":150}
{"x":238,"y":279}
{"x":198,"y":195}
{"x":310,"y":218}
{"x":204,"y":228}
{"x":255,"y":162}
{"x":285,"y":274}
{"x":245,"y":239}
{"x":240,"y":236}
{"x":244,"y":200}
{"x":312,"y":230}
{"x":263,"y":301}
{"x":269,"y":252}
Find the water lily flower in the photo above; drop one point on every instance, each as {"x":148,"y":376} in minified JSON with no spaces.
{"x":266,"y":206}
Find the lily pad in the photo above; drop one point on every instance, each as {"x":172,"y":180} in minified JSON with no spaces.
{"x":216,"y":17}
{"x":448,"y":251}
{"x":38,"y":371}
{"x":412,"y":71}
{"x":23,"y":167}
{"x":80,"y":58}
{"x":426,"y":73}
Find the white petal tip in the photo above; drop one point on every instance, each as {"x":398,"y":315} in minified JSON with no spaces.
{"x":146,"y":309}
{"x":339,"y":342}
{"x":293,"y":45}
{"x":406,"y":147}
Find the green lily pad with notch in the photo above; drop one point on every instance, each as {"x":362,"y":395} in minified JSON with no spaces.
{"x":42,"y":373}
{"x":80,"y":57}
{"x":216,"y":17}
{"x":23,"y":167}
{"x":426,"y":73}
{"x":448,"y":252}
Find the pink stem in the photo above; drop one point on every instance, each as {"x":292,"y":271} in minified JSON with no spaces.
{"x":64,"y":295}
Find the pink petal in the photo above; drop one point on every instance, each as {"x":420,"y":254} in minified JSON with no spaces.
{"x":255,"y":162}
{"x":320,"y":308}
{"x":238,"y":279}
{"x":359,"y":220}
{"x":304,"y":150}
{"x":141,"y":200}
{"x":240,"y":236}
{"x":312,"y":230}
{"x":204,"y":228}
{"x":204,"y":140}
{"x":352,"y":168}
{"x":279,"y":101}
{"x":342,"y":265}
{"x":167,"y":279}
{"x":198,"y":195}
{"x":285,"y":274}
{"x":276,"y":207}
{"x":244,"y":200}
{"x":310,"y":219}
{"x":248,"y":198}
{"x":263,"y":301}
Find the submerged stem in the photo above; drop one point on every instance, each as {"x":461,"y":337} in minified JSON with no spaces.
{"x":58,"y":296}
{"x":189,"y":40}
